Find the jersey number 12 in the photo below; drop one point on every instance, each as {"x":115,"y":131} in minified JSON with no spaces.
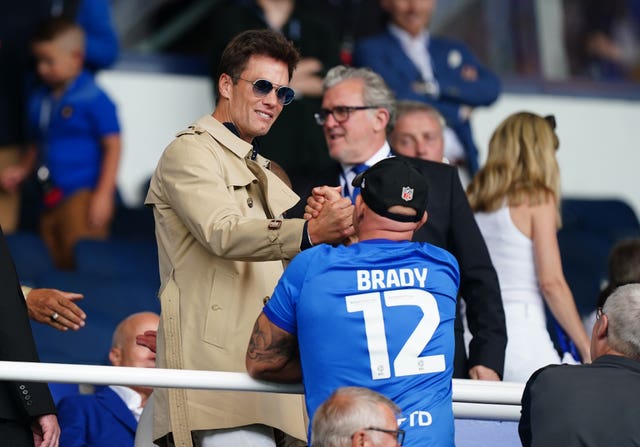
{"x":408,"y":361}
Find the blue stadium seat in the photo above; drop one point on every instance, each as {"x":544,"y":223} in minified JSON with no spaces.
{"x":117,"y":257}
{"x":107,"y":301}
{"x":30,"y":255}
{"x":591,"y":227}
{"x":133,"y":223}
{"x":60,"y":390}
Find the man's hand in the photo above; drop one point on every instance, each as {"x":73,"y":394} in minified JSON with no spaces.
{"x":480,"y":372}
{"x":333,"y":223}
{"x":320,"y":195}
{"x":46,"y":431}
{"x":44,"y":304}
{"x":148,"y":340}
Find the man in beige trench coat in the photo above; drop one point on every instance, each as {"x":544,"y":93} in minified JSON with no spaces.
{"x":222,"y":242}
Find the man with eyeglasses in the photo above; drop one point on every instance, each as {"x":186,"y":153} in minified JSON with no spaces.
{"x":595,"y":404}
{"x":358,"y":109}
{"x":222,"y":241}
{"x":378,"y":313}
{"x":354,"y":417}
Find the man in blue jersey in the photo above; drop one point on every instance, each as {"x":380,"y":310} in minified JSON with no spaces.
{"x":378,"y":313}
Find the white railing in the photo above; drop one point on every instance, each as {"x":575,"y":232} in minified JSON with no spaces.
{"x":471,"y":398}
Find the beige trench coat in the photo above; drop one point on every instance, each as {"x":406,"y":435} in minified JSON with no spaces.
{"x":221,"y":249}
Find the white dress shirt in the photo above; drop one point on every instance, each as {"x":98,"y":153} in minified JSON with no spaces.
{"x":131,"y":398}
{"x":416,"y":49}
{"x":347,"y":175}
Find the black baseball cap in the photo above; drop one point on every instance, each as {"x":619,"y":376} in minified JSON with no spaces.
{"x":393,"y":181}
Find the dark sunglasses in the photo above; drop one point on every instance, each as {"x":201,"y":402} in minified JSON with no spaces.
{"x":262,"y":87}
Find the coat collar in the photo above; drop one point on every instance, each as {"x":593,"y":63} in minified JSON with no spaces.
{"x":224,"y":136}
{"x":279,"y":196}
{"x":109,"y":400}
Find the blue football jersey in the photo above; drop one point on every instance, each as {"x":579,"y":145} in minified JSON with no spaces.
{"x":377,"y":314}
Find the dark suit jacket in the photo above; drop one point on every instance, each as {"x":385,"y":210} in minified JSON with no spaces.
{"x":451,"y":226}
{"x":583,"y":405}
{"x":384,"y":54}
{"x":96,"y":420}
{"x":19,"y":401}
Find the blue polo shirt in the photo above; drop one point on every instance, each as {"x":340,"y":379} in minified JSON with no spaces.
{"x":69,"y":130}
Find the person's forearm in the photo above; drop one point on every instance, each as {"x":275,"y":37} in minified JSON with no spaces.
{"x":291,"y":372}
{"x":109,"y":168}
{"x":562,"y":305}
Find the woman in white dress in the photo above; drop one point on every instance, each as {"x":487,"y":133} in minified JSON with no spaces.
{"x":515,"y":198}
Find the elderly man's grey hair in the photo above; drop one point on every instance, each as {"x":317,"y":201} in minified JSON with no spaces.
{"x":622,"y":309}
{"x":346,"y":411}
{"x":376,"y":91}
{"x":407,"y":106}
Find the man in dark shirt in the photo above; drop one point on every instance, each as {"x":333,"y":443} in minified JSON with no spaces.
{"x":594,"y":404}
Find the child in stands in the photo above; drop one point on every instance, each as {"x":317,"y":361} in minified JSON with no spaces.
{"x":76,"y":144}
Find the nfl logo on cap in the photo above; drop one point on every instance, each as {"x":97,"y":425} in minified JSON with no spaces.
{"x":407,"y":194}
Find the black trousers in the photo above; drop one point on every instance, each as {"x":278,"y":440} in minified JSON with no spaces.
{"x":15,"y":434}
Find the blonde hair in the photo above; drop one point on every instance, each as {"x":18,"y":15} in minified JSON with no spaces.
{"x":521,"y":166}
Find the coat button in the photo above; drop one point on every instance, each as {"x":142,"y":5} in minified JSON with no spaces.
{"x":250,"y":202}
{"x":22,"y":387}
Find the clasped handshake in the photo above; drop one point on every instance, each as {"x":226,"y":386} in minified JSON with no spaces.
{"x":330,"y":216}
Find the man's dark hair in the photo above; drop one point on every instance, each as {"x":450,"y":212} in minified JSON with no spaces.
{"x":264,"y":42}
{"x":624,"y":267}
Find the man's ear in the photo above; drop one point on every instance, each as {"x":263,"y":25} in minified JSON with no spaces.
{"x":359,"y":207}
{"x":115,"y":356}
{"x":225,"y":82}
{"x":358,"y":439}
{"x":601,"y":330}
{"x":381,"y":119}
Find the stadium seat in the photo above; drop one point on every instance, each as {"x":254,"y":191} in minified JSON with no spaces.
{"x":117,"y":257}
{"x":30,"y":255}
{"x":591,"y":227}
{"x":133,"y":223}
{"x":107,"y":301}
{"x":60,"y":390}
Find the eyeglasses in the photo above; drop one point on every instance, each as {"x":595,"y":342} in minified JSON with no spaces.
{"x":599,"y":313}
{"x":262,"y":87}
{"x":398,"y":434}
{"x":340,"y":113}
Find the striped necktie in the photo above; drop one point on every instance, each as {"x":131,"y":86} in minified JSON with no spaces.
{"x":357,"y":169}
